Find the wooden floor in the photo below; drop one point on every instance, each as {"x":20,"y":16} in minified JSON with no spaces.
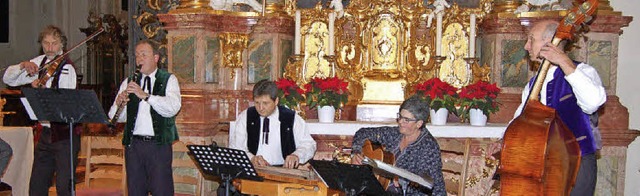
{"x":100,"y":187}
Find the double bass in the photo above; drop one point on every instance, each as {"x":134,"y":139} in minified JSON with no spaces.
{"x":540,"y":155}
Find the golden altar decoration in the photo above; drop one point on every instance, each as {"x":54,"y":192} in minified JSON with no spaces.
{"x":385,"y":44}
{"x":404,"y":58}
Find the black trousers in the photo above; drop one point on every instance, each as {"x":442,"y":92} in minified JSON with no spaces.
{"x":587,"y":176}
{"x":149,"y":168}
{"x":53,"y":157}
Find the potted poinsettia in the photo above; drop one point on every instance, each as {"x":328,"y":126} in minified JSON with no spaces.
{"x":289,"y":93}
{"x":479,"y":100}
{"x":440,"y":96}
{"x":327,"y":94}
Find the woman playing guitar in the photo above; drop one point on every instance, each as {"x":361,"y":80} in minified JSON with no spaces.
{"x":413,"y":147}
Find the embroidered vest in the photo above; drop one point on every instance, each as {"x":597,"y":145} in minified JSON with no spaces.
{"x":164,"y":129}
{"x":560,"y":97}
{"x":59,"y":131}
{"x":286,"y":118}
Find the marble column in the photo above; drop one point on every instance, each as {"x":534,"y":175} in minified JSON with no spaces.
{"x":217,"y":56}
{"x":502,"y":40}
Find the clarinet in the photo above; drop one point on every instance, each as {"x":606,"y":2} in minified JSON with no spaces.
{"x":114,"y":120}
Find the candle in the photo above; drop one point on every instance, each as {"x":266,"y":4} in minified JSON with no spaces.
{"x":439,"y":34}
{"x":332,"y":18}
{"x":235,"y":79}
{"x":472,"y":36}
{"x":264,"y":7}
{"x":297,"y":34}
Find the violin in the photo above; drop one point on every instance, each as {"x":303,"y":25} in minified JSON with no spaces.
{"x":52,"y":66}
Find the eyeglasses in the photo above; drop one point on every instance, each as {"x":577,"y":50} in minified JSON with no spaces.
{"x":402,"y":119}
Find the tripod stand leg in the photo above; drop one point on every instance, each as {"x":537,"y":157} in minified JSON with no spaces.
{"x":404,"y":184}
{"x":227,"y":183}
{"x":72,"y":188}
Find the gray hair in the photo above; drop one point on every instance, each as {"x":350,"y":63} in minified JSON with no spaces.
{"x":550,"y":28}
{"x":55,"y":32}
{"x":265,"y":87}
{"x":418,"y":107}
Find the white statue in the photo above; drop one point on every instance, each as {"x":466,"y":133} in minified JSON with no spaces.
{"x":338,"y":8}
{"x":227,"y":5}
{"x":439,"y":5}
{"x":522,"y":8}
{"x":545,"y":5}
{"x":541,"y":2}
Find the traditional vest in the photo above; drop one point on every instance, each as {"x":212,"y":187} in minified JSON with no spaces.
{"x":164,"y":129}
{"x":286,"y":118}
{"x":59,"y":131}
{"x":560,"y":97}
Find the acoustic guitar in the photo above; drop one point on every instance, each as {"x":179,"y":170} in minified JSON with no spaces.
{"x":376,"y":151}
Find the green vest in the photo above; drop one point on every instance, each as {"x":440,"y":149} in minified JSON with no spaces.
{"x":164,"y":129}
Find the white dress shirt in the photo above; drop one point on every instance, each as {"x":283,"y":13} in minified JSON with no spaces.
{"x":585,"y":83}
{"x":14,"y":76}
{"x":167,"y":106}
{"x":272,"y":152}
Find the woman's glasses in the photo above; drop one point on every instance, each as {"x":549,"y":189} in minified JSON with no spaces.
{"x":402,"y":119}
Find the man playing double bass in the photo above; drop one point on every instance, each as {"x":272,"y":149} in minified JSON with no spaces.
{"x":575,"y":91}
{"x":52,"y":149}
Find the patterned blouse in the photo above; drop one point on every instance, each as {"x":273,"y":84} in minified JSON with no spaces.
{"x":420,"y":157}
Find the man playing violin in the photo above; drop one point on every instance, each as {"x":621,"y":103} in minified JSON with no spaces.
{"x":51,"y":153}
{"x":575,"y":91}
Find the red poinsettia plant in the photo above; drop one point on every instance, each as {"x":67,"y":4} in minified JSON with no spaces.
{"x":289,"y":93}
{"x":437,"y":93}
{"x":330,"y":91}
{"x":480,"y":95}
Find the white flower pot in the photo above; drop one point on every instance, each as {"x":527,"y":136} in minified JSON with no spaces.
{"x":439,"y":117}
{"x":477,"y":118}
{"x":326,"y":114}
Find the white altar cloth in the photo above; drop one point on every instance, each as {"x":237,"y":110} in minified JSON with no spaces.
{"x":451,"y":130}
{"x":19,"y":170}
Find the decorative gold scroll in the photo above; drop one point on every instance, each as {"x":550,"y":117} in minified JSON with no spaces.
{"x":385,"y":43}
{"x":233,"y":45}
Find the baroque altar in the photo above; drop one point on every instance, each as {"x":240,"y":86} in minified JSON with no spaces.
{"x":383,"y":48}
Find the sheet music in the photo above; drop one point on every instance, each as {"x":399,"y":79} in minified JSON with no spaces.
{"x":28,"y":108}
{"x":400,"y":172}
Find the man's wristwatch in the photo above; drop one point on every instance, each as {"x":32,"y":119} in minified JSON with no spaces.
{"x":147,"y":98}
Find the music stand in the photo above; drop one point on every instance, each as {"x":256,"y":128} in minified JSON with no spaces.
{"x":228,"y":163}
{"x":352,"y":179}
{"x":65,"y":106}
{"x":404,"y":176}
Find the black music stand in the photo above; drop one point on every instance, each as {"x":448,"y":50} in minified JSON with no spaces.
{"x":228,"y":163}
{"x":66,"y":106}
{"x":352,"y":179}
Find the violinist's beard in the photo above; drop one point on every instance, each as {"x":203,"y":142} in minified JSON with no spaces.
{"x":51,"y":55}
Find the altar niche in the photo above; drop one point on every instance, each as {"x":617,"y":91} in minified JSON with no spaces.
{"x":385,"y":48}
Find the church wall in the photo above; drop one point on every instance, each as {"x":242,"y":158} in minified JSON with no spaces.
{"x":23,"y":37}
{"x":628,"y":70}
